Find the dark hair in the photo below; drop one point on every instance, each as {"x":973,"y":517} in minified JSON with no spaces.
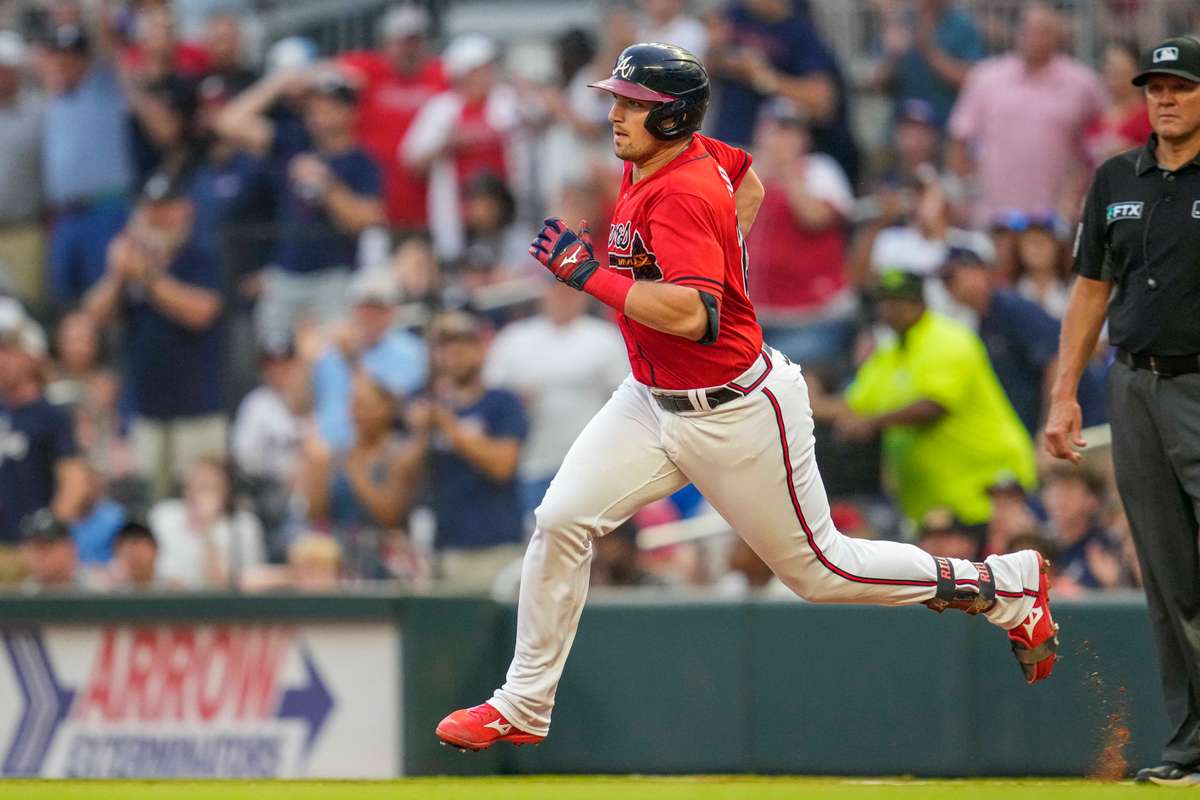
{"x":494,"y":187}
{"x":1127,"y":46}
{"x":134,"y":529}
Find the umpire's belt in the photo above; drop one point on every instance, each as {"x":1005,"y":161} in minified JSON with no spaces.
{"x":1162,"y":366}
{"x":708,"y":399}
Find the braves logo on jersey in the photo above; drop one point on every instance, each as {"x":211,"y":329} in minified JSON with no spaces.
{"x":627,"y":251}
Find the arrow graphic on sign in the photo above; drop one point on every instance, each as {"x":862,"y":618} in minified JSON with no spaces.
{"x":311,"y":703}
{"x":46,"y":703}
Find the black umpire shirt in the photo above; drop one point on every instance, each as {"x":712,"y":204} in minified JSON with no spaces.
{"x":1141,"y":229}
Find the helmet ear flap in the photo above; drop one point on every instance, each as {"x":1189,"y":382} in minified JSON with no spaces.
{"x":677,"y":112}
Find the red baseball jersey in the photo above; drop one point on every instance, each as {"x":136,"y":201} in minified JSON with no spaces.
{"x":680,"y":225}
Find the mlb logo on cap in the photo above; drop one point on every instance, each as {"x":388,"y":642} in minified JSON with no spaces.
{"x":1166,"y":54}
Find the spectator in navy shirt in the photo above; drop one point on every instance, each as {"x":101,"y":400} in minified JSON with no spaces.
{"x":475,"y":435}
{"x":1021,"y":339}
{"x":164,"y":284}
{"x":328,"y":196}
{"x":762,"y":48}
{"x":40,"y":465}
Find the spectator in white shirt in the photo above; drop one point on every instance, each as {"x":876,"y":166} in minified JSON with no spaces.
{"x":203,"y":543}
{"x":563,"y":364}
{"x":666,"y":21}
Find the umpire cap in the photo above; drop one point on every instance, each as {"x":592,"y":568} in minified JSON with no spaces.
{"x":665,"y":74}
{"x":1178,"y":56}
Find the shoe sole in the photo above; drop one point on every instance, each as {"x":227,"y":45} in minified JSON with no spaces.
{"x":1189,"y":780}
{"x":450,"y":740}
{"x":1044,"y":573}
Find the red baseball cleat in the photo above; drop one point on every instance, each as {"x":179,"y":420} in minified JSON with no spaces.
{"x":1035,"y":639}
{"x":481,"y":727}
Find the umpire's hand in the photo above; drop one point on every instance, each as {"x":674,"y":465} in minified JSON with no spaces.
{"x":1064,"y":430}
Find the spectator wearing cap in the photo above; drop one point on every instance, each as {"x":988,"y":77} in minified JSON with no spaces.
{"x":164,"y":284}
{"x":947,"y":427}
{"x":330,"y":195}
{"x":762,"y":48}
{"x":1021,"y":339}
{"x":1074,"y":497}
{"x":943,"y":534}
{"x":265,"y":438}
{"x":40,"y":465}
{"x":397,"y":79}
{"x":564,"y":364}
{"x":135,"y":555}
{"x":473,"y":436}
{"x":204,"y":541}
{"x":48,"y":554}
{"x":87,"y":159}
{"x":928,"y":48}
{"x":1012,"y":515}
{"x":22,"y":242}
{"x":362,"y":493}
{"x":801,"y":290}
{"x":470,"y":129}
{"x":370,"y":338}
{"x":1019,"y":121}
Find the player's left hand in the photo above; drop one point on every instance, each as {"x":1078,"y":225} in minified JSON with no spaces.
{"x":568,"y":255}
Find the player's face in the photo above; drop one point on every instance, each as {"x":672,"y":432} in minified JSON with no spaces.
{"x":1174,"y":106}
{"x":631,"y":140}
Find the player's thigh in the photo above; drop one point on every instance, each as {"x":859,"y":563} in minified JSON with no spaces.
{"x":615,"y":466}
{"x":755,"y":465}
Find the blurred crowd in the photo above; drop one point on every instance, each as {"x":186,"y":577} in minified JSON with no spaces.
{"x":270,"y":323}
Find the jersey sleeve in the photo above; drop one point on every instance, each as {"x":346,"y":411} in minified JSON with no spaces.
{"x":685,"y":240}
{"x":734,"y":160}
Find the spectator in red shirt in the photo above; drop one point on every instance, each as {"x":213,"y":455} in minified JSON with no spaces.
{"x":1125,"y":123}
{"x":462,"y":133}
{"x":798,"y":279}
{"x":396,"y":80}
{"x":157,"y":48}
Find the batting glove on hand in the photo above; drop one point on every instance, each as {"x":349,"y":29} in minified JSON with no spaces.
{"x":568,"y":255}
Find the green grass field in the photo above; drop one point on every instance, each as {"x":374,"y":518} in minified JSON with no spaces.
{"x":571,"y":788}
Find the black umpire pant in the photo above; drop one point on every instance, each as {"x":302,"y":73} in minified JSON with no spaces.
{"x":1156,"y":450}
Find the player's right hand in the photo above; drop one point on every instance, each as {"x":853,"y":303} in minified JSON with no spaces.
{"x":568,"y":255}
{"x":1064,"y":430}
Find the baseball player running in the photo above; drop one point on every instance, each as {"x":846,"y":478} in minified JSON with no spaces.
{"x":706,"y":404}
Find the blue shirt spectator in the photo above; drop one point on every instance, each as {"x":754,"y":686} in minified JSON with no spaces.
{"x":792,"y":49}
{"x":33,"y":438}
{"x":939,"y":33}
{"x":473,"y":510}
{"x":95,"y":531}
{"x":86,"y":150}
{"x":309,"y":239}
{"x":174,"y":370}
{"x":398,"y":362}
{"x":1021,"y":341}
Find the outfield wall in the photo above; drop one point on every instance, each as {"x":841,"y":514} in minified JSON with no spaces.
{"x":352,"y":686}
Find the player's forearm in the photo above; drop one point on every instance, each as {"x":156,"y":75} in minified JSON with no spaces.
{"x":1080,"y":331}
{"x":677,"y":310}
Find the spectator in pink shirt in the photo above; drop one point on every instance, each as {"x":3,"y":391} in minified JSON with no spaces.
{"x":1018,"y":124}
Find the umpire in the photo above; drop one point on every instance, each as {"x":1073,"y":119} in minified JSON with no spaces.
{"x":1141,"y":234}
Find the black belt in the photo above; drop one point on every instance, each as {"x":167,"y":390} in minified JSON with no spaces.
{"x":697,"y":399}
{"x":1162,"y":366}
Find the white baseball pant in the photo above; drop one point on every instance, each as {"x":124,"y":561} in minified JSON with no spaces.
{"x":752,"y":458}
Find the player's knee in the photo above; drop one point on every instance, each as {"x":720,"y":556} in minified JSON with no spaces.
{"x":558,"y":518}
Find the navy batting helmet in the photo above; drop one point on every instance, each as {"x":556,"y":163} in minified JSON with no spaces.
{"x":664,"y":74}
